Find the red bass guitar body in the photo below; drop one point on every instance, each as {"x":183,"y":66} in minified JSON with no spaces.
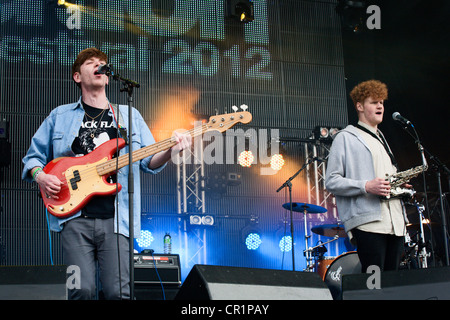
{"x":81,"y":179}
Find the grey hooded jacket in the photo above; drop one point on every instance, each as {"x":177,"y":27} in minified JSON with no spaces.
{"x":350,"y":166}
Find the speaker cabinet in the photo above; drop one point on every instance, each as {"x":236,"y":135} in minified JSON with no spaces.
{"x":234,"y":283}
{"x":419,"y":284}
{"x":33,"y":283}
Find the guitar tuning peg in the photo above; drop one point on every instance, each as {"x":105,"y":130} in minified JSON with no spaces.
{"x":235,"y":108}
{"x":244,"y":107}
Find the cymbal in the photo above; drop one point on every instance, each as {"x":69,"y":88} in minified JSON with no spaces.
{"x":301,"y":207}
{"x":330,"y":230}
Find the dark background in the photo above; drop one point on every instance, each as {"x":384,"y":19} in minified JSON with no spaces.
{"x":410,"y":53}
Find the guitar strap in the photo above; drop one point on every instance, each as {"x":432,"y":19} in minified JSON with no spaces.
{"x":120,"y":123}
{"x":382,"y":140}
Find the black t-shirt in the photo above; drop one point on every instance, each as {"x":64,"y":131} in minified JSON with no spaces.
{"x":97,"y":128}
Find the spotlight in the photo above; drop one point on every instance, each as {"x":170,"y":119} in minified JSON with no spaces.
{"x":352,"y":14}
{"x":285,"y":244}
{"x":253,"y":241}
{"x":55,"y":3}
{"x":195,"y":219}
{"x":251,"y":234}
{"x":240,"y":10}
{"x":246,"y":158}
{"x":208,"y":220}
{"x":201,"y":220}
{"x":325,"y":133}
{"x":333,"y":131}
{"x":277,"y":162}
{"x":145,"y":240}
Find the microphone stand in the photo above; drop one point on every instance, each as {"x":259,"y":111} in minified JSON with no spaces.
{"x":288,"y":184}
{"x":439,"y":165}
{"x":128,"y":86}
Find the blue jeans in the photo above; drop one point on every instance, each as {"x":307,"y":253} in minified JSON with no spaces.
{"x":90,"y":242}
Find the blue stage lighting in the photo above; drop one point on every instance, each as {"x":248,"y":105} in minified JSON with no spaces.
{"x":285,"y":244}
{"x":253,"y":241}
{"x":146,"y":239}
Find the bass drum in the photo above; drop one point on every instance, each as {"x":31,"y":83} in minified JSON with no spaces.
{"x":347,"y":263}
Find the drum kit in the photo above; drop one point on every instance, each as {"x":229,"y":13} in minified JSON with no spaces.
{"x":331,"y":269}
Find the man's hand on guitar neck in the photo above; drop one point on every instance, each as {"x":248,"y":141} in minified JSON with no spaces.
{"x":49,"y":184}
{"x":183,"y":141}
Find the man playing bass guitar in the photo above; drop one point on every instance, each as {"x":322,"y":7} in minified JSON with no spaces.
{"x":99,"y":230}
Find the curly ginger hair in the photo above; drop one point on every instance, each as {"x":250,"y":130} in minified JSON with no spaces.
{"x":371,"y":88}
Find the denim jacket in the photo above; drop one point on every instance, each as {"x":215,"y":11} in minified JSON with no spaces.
{"x":54,"y":139}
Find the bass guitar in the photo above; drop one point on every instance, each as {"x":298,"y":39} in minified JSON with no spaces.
{"x":86,"y":176}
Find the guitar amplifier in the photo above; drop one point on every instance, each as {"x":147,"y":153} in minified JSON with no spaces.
{"x":167,"y":266}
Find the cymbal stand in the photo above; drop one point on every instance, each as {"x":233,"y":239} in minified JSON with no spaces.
{"x":422,"y":247}
{"x":308,"y":251}
{"x":288,"y":184}
{"x":324,"y":243}
{"x":310,"y":266}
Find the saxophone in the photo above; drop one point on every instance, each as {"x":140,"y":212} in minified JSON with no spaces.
{"x":399,"y":178}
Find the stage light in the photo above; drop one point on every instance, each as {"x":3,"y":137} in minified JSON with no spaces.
{"x":201,"y":220}
{"x":277,"y":162}
{"x":324,"y":133}
{"x":333,"y":131}
{"x":285,"y":244}
{"x":241,"y":10}
{"x":353,"y":14}
{"x":208,"y":220}
{"x":195,"y":219}
{"x":145,"y":240}
{"x":246,"y":158}
{"x":61,"y":2}
{"x":251,"y":233}
{"x":253,"y":241}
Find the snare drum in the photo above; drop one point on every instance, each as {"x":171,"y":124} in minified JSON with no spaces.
{"x":346,"y":263}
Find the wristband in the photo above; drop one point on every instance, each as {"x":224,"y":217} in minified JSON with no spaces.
{"x":36,"y":173}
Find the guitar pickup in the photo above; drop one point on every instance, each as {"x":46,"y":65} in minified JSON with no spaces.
{"x":76,"y":178}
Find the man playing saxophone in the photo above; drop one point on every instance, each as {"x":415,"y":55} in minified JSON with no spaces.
{"x":358,"y":163}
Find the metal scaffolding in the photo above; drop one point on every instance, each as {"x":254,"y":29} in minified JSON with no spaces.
{"x":191,"y":181}
{"x":315,"y":175}
{"x":317,"y":193}
{"x":191,"y":203}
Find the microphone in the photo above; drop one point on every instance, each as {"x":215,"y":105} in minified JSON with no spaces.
{"x":397,"y":117}
{"x":105,"y":69}
{"x":319,"y":159}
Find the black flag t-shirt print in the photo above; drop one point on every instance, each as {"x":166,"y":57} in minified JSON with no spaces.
{"x":96,"y":128}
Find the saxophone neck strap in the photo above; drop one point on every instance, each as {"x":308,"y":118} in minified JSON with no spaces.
{"x":382,"y":140}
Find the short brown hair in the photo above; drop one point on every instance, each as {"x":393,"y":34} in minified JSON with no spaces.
{"x":85,"y":55}
{"x":371,"y":88}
